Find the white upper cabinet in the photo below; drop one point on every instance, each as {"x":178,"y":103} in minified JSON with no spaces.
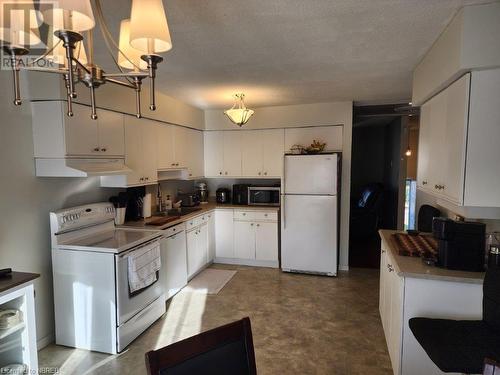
{"x":140,"y":156}
{"x":458,"y":153}
{"x":465,"y":45}
{"x":331,"y":135}
{"x":483,"y":151}
{"x":165,"y":141}
{"x":232,"y":154}
{"x":55,"y":135}
{"x":252,"y":153}
{"x":244,"y":153}
{"x":180,"y":148}
{"x":214,"y":153}
{"x":443,"y":128}
{"x":273,"y":148}
{"x":81,"y":133}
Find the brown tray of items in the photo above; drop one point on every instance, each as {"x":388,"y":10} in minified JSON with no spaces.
{"x":416,"y":245}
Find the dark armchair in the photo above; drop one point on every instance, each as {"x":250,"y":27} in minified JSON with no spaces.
{"x":365,"y":211}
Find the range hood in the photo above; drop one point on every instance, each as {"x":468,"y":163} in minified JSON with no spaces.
{"x":76,"y":167}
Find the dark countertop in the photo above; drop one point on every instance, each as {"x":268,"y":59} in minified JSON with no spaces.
{"x":406,"y":266}
{"x":16,"y":279}
{"x":205,"y":208}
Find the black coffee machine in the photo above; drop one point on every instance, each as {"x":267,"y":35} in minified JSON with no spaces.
{"x":460,"y":244}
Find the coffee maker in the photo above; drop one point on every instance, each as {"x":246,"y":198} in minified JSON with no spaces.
{"x":460,"y":244}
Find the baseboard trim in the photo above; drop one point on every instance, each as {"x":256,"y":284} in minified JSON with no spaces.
{"x":45,"y":341}
{"x":248,"y":262}
{"x":343,"y":267}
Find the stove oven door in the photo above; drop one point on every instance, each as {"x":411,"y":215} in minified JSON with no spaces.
{"x":129,"y":304}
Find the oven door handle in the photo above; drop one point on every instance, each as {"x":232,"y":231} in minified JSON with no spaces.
{"x":127,"y":252}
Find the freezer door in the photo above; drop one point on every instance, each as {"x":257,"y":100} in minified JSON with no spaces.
{"x":311,"y":174}
{"x":309,"y":234}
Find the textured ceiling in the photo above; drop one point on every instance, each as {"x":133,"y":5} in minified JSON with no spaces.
{"x":282,"y":52}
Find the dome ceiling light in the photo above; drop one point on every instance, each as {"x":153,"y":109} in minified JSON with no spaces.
{"x":142,"y":38}
{"x":239,"y":114}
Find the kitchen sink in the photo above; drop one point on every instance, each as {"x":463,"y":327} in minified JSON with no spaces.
{"x":180,"y":211}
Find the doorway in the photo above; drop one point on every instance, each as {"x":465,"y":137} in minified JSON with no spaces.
{"x":384,"y":150}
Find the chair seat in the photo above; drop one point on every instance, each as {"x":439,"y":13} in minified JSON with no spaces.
{"x":457,"y":345}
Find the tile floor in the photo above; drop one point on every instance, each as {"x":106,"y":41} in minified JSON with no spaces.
{"x":301,"y":324}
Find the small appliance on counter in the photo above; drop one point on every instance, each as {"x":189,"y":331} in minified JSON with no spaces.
{"x":202,"y":192}
{"x":264,"y":195}
{"x":188,"y":199}
{"x":461,"y":244}
{"x":223,"y":195}
{"x":240,"y":194}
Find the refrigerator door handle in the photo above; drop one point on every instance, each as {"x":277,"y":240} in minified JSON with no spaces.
{"x":284,"y":212}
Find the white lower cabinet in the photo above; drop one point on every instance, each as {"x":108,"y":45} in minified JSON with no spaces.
{"x":266,"y":241}
{"x":211,"y":236}
{"x":253,"y":235}
{"x":197,"y":249}
{"x":224,"y":234}
{"x":405,"y":297}
{"x":244,"y":240}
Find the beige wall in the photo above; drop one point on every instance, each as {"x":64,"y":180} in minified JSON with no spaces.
{"x":337,"y":113}
{"x":25,"y":203}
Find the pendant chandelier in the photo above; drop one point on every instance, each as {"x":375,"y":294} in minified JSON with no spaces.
{"x":136,"y":56}
{"x":239,"y":114}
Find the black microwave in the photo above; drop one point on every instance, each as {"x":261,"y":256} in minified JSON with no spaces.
{"x":264,"y":196}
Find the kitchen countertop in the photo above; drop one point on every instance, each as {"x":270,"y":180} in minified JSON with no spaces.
{"x":205,"y":208}
{"x":16,"y":279}
{"x":406,"y":266}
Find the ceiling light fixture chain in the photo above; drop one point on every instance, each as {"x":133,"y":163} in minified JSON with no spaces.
{"x":146,"y":34}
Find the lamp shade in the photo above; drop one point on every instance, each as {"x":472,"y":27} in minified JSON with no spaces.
{"x":239,"y":114}
{"x":127,"y":53}
{"x":148,"y":26}
{"x":19,"y":22}
{"x":75,"y":15}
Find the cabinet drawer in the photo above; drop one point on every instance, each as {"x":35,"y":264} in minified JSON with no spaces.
{"x":266,"y":215}
{"x":244,"y":215}
{"x":173,"y":230}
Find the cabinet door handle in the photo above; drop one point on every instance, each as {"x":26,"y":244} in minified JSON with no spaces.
{"x":265,"y":215}
{"x":251,"y":224}
{"x":424,"y":182}
{"x":103,"y":149}
{"x":190,"y":175}
{"x":390,"y":268}
{"x":226,"y":172}
{"x":260,"y":173}
{"x":146,"y":178}
{"x":383,"y":251}
{"x":96,"y":149}
{"x":141,"y":179}
{"x":258,"y":225}
{"x":265,"y":173}
{"x":173,"y":164}
{"x":220,"y":173}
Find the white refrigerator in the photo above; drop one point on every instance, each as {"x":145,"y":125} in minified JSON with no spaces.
{"x":309,"y":214}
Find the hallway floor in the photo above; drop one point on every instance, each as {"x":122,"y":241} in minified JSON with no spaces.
{"x":301,"y":324}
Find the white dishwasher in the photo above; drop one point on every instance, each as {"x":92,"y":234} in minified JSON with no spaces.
{"x":174,"y":260}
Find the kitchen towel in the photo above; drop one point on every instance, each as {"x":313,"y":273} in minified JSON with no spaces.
{"x":143,"y":265}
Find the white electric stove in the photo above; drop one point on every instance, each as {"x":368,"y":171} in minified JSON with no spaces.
{"x":94,"y":308}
